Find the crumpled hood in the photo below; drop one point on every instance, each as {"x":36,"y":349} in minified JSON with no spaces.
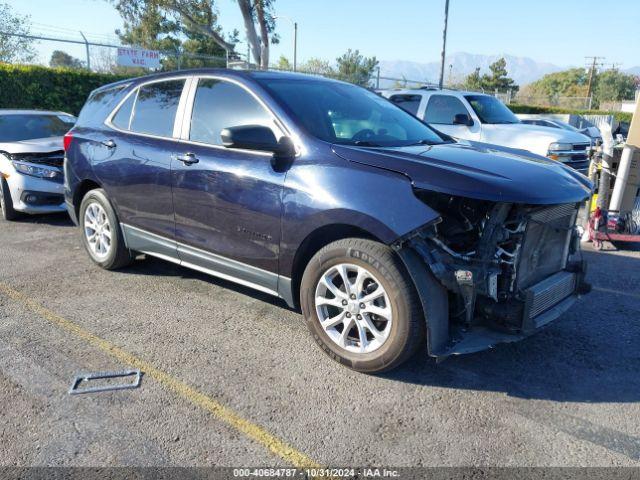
{"x":38,"y":145}
{"x":481,"y":172}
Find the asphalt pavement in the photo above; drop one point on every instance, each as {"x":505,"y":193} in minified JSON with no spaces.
{"x":232,"y":377}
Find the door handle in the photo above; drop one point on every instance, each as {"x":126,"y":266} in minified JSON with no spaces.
{"x":188,"y":158}
{"x":109,"y":143}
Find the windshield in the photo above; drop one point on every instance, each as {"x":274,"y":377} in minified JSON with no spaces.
{"x":491,"y":110}
{"x":350,"y":115}
{"x":567,"y":126}
{"x":14,"y":128}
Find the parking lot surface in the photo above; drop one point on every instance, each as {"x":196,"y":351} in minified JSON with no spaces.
{"x":232,"y":377}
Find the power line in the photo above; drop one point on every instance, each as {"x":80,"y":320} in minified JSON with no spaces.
{"x":595,"y":63}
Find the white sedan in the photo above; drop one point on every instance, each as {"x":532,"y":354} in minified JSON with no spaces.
{"x":31,"y":161}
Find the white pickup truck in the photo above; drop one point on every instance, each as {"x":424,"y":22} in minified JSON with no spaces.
{"x":483,"y":118}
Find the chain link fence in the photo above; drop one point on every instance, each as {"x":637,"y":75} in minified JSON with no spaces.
{"x":99,"y":53}
{"x":573,"y":103}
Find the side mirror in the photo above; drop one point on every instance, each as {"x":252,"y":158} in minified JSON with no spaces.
{"x":256,"y":137}
{"x":462,"y":119}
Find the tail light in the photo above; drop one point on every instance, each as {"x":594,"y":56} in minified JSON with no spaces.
{"x":67,"y":141}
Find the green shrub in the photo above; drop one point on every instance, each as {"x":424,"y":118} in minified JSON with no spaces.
{"x":619,"y":116}
{"x":43,"y":88}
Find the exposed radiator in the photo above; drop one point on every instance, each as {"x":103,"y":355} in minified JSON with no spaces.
{"x":549,"y":292}
{"x":545,"y":246}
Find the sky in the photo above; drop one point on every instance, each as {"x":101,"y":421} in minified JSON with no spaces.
{"x":562,"y":32}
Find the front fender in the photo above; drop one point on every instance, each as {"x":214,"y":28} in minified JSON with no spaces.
{"x":377,"y":201}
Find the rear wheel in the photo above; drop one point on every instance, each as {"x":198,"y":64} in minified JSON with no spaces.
{"x":6,"y":203}
{"x":101,"y":233}
{"x":361,"y":305}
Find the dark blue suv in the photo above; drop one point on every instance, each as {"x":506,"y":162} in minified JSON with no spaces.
{"x":388,"y":235}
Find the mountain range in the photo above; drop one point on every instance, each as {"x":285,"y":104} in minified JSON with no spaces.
{"x":522,"y":69}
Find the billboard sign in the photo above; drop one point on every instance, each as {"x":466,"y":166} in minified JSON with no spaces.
{"x":138,"y":57}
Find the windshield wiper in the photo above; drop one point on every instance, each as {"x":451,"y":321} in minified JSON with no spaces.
{"x":366,"y":143}
{"x":424,"y":142}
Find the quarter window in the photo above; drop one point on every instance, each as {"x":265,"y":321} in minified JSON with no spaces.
{"x":123,"y":117}
{"x":410,"y":103}
{"x":155,"y":108}
{"x":97,"y":101}
{"x":442,"y":109}
{"x":219,"y":105}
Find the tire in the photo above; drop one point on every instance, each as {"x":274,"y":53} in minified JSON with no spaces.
{"x":6,"y":203}
{"x":114,"y":254}
{"x":401,"y":335}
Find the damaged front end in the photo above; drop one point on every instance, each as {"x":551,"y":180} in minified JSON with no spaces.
{"x":496,"y":272}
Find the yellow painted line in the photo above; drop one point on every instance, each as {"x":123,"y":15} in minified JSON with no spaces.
{"x":225,"y":414}
{"x":616,"y":292}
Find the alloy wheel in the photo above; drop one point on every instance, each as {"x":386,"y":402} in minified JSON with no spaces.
{"x":353,"y":308}
{"x":97,"y":230}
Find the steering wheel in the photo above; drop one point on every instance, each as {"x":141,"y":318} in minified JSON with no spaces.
{"x":364,"y":135}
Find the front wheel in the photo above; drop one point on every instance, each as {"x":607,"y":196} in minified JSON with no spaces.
{"x":101,"y":233}
{"x":361,"y":306}
{"x":6,"y":203}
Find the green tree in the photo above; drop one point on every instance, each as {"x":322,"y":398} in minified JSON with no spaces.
{"x":568,"y":83}
{"x":284,"y":63}
{"x":63,"y":59}
{"x":498,"y":78}
{"x":317,"y":66}
{"x":193,"y":18}
{"x":473,"y":80}
{"x":355,"y":68}
{"x":613,"y":85}
{"x":609,"y":85}
{"x":150,"y":27}
{"x":15,"y":49}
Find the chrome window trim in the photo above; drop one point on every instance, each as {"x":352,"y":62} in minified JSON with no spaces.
{"x":109,"y":120}
{"x":279,"y":125}
{"x":183,"y":127}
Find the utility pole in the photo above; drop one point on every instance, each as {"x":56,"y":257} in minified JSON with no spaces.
{"x":595,"y":63}
{"x":295,"y":39}
{"x":444,"y":43}
{"x":86,"y":46}
{"x":295,"y":46}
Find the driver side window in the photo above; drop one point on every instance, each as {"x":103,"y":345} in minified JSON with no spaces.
{"x":219,"y":104}
{"x":442,"y":109}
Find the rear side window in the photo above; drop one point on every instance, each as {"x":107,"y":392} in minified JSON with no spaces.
{"x":442,"y":109}
{"x":97,"y":101}
{"x":220,"y":104}
{"x":122,"y":118}
{"x":410,"y":103}
{"x":155,"y":107}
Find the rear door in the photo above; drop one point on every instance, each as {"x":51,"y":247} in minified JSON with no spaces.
{"x":440,"y":112}
{"x":137,"y":171}
{"x":227,"y":202}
